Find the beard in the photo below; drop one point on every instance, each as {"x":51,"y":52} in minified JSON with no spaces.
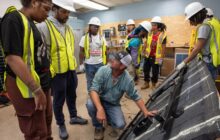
{"x":63,"y":21}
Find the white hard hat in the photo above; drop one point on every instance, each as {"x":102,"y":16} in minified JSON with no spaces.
{"x":192,"y":9}
{"x":130,"y":22}
{"x":209,"y":12}
{"x":95,"y":21}
{"x":65,"y":4}
{"x":146,"y":25}
{"x":157,"y":19}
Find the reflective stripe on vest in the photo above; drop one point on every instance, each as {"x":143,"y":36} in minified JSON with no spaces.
{"x":192,"y":41}
{"x":62,"y":49}
{"x":87,"y":48}
{"x":159,"y":48}
{"x":28,"y":56}
{"x":214,"y":24}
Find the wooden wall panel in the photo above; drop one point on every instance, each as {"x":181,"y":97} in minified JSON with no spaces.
{"x":178,"y":30}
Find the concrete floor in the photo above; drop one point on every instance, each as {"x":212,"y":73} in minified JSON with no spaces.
{"x":9,"y":129}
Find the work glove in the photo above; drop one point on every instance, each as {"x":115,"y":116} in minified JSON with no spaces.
{"x":181,"y":65}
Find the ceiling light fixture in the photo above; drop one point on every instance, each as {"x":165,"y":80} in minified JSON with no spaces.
{"x":91,"y":4}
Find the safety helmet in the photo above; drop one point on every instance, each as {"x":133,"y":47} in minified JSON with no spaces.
{"x":156,"y":19}
{"x":192,"y":9}
{"x":146,"y":25}
{"x":209,"y":12}
{"x":65,"y":4}
{"x":130,"y":22}
{"x":95,"y":21}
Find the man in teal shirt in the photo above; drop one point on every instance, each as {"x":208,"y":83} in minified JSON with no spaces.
{"x":108,"y":87}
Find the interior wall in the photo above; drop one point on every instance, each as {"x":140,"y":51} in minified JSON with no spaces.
{"x":171,"y":11}
{"x":179,"y":34}
{"x":147,"y":9}
{"x":4,"y":4}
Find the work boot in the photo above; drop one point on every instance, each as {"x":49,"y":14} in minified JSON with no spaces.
{"x":154,"y":85}
{"x":114,"y":133}
{"x":145,"y":86}
{"x":78,"y":120}
{"x":62,"y":132}
{"x":136,"y":82}
{"x":99,"y":134}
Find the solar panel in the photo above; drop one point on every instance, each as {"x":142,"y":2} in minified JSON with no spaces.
{"x":188,"y":105}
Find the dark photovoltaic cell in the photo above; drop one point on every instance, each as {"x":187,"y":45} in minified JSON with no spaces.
{"x":188,"y":105}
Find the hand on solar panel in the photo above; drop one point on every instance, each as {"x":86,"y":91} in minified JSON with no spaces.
{"x":181,"y":65}
{"x":151,"y":113}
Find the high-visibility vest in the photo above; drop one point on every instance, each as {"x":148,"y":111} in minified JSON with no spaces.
{"x":214,"y":24}
{"x":192,"y":41}
{"x":87,"y":48}
{"x":28,"y":55}
{"x":159,"y":48}
{"x":126,"y":43}
{"x":62,"y":49}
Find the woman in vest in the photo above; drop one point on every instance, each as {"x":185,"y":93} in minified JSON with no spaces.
{"x":135,"y":47}
{"x":154,"y":51}
{"x":207,"y":38}
{"x":130,"y":26}
{"x":21,"y":39}
{"x":93,"y":50}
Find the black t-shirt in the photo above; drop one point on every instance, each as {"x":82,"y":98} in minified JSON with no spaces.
{"x":12,"y":39}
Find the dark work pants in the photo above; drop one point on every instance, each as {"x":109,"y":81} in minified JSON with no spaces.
{"x":149,"y":63}
{"x":64,"y":88}
{"x":34,"y":124}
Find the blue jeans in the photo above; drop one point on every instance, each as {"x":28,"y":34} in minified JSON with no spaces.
{"x":113,"y":113}
{"x":64,"y":88}
{"x":213,"y":70}
{"x":90,"y":73}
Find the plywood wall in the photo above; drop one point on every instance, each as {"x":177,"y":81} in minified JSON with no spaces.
{"x":178,"y":30}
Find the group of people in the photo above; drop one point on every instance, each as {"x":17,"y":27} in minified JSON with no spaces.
{"x":40,"y":62}
{"x":149,"y":47}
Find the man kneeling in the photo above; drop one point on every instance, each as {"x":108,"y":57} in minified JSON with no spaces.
{"x":109,"y":85}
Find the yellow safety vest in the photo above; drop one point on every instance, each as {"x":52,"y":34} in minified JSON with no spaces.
{"x":159,"y":48}
{"x":62,"y":50}
{"x":28,"y":56}
{"x":126,"y":43}
{"x":192,"y":41}
{"x":214,"y":24}
{"x":87,"y":49}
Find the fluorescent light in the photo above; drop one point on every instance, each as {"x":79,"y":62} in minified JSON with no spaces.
{"x":91,"y":4}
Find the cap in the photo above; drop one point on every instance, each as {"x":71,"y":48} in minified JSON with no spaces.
{"x":124,"y":58}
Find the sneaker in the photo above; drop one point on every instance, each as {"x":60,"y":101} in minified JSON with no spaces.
{"x":62,"y":132}
{"x":145,"y":86}
{"x":99,"y":134}
{"x":78,"y":120}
